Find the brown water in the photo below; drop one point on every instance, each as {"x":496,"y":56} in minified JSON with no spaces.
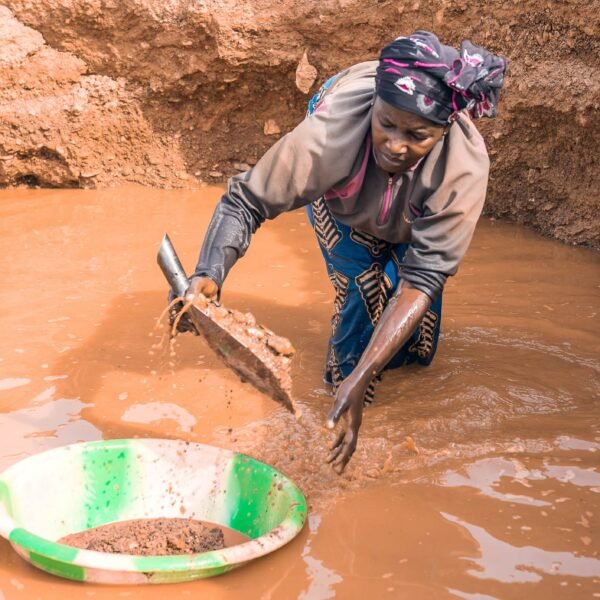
{"x":503,"y":498}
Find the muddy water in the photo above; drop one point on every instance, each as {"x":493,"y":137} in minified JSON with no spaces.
{"x":503,"y":498}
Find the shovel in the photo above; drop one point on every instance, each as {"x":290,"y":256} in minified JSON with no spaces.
{"x":236,"y":355}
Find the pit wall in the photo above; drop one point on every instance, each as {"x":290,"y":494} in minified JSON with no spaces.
{"x":171,"y":94}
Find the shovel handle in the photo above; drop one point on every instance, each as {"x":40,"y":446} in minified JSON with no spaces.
{"x":171,"y":266}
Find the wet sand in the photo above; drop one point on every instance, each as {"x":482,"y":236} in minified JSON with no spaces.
{"x":502,"y":500}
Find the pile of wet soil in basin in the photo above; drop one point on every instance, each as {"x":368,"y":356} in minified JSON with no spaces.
{"x":149,"y":537}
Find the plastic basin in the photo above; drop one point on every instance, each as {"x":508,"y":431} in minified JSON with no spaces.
{"x":69,"y":489}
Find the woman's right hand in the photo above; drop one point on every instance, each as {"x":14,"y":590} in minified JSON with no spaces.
{"x":348,"y":405}
{"x":198,"y":291}
{"x":204,"y":286}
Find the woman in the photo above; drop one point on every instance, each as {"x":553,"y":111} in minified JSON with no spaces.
{"x":394,"y":176}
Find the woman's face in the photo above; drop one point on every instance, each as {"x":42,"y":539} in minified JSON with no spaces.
{"x":401,"y":138}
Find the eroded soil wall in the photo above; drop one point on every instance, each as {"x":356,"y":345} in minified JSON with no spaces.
{"x":97,"y":92}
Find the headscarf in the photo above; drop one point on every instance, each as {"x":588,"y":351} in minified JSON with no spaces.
{"x":423,"y":76}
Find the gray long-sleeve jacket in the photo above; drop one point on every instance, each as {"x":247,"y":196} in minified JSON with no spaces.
{"x":433,"y":207}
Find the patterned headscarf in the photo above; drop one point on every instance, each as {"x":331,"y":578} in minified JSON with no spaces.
{"x":423,"y":76}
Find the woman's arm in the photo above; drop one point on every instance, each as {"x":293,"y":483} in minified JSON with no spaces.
{"x":404,"y":312}
{"x":314,"y":157}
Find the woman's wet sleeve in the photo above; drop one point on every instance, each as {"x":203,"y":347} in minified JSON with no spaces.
{"x":227,"y":238}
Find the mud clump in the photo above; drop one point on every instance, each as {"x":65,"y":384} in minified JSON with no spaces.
{"x":149,"y":537}
{"x":275,"y":352}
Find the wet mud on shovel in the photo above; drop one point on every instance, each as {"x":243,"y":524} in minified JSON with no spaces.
{"x":235,"y":354}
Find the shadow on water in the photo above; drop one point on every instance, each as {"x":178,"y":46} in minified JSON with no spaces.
{"x":128,"y":333}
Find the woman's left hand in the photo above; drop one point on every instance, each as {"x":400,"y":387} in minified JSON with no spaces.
{"x":349,"y":400}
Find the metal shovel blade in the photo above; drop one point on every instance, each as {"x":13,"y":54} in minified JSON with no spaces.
{"x":236,"y":355}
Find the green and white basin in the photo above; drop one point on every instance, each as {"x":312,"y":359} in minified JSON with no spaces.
{"x":69,"y":489}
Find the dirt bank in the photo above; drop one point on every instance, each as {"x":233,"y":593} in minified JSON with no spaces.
{"x":169,"y":94}
{"x":64,"y":125}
